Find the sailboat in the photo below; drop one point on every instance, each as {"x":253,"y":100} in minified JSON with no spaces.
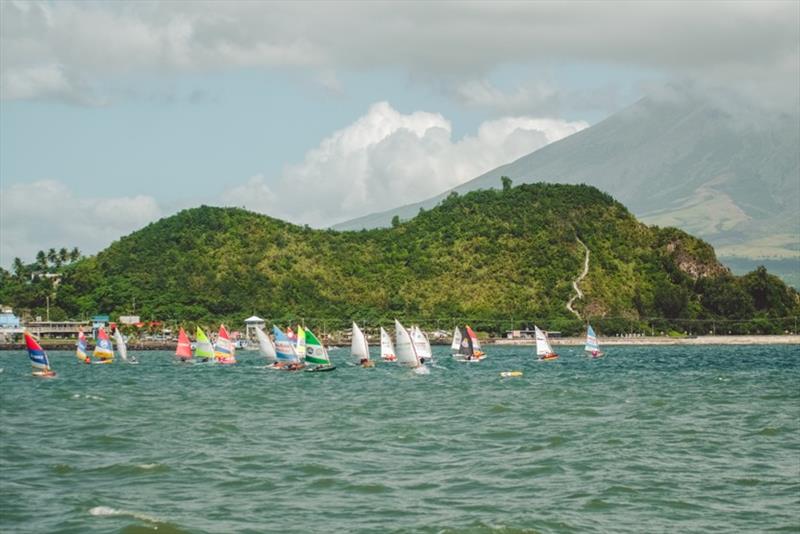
{"x":81,"y":348}
{"x":359,"y":348}
{"x":592,"y":348}
{"x":422,"y":344}
{"x":122,"y":348}
{"x":543,"y":349}
{"x":103,"y":349}
{"x":407,"y":351}
{"x":316,"y":354}
{"x":223,"y":348}
{"x":203,"y":349}
{"x":455,"y":346}
{"x":387,"y":349}
{"x":265,"y":346}
{"x":39,"y":360}
{"x":470,"y":348}
{"x":184,"y":349}
{"x":285,"y":352}
{"x":300,"y":342}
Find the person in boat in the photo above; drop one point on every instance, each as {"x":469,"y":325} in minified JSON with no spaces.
{"x":595,"y":352}
{"x":87,"y":360}
{"x":422,"y":361}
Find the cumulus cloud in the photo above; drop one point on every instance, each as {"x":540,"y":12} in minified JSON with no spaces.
{"x":752,"y":45}
{"x":387,"y":158}
{"x":45,"y":214}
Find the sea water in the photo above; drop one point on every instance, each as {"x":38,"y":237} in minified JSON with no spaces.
{"x":664,"y":439}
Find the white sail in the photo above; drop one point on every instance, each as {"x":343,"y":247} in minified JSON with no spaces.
{"x":406,"y":352}
{"x":455,"y":346}
{"x":121,"y":347}
{"x":359,"y":347}
{"x":421,"y":343}
{"x":542,"y":344}
{"x":265,"y":346}
{"x":387,"y":349}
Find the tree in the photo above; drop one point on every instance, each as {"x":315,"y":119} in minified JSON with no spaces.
{"x":52,"y":256}
{"x":41,"y":260}
{"x":19,"y":268}
{"x":63,"y":255}
{"x":74,"y":254}
{"x":506,"y":183}
{"x":395,"y":221}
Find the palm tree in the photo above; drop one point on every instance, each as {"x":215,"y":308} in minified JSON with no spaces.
{"x":63,"y":255}
{"x":52,"y":256}
{"x":74,"y":254}
{"x":41,"y":260}
{"x":19,"y":268}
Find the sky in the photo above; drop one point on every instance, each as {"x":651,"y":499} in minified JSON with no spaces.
{"x":115,"y":114}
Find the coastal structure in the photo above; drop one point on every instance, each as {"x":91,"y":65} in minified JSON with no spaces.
{"x":252,"y":324}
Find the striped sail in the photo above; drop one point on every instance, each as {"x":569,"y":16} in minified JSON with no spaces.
{"x":387,"y":349}
{"x":203,"y":349}
{"x":359,"y":348}
{"x":38,"y":356}
{"x":265,"y":346}
{"x":315,"y":351}
{"x":284,"y":348}
{"x":476,"y":345}
{"x":122,"y":348}
{"x":103,"y":349}
{"x":223,"y":348}
{"x":184,"y":348}
{"x":81,"y":347}
{"x":406,"y":352}
{"x":455,"y":346}
{"x":543,"y":347}
{"x":591,"y":341}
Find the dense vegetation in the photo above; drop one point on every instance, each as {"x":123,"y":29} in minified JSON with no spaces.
{"x":497,"y":259}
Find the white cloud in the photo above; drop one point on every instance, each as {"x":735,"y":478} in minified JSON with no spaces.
{"x":728,"y":43}
{"x":46,"y":214}
{"x":385,"y":159}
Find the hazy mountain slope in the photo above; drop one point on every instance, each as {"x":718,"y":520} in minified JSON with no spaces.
{"x":682,"y":163}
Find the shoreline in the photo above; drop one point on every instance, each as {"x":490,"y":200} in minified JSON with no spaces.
{"x":791,"y":339}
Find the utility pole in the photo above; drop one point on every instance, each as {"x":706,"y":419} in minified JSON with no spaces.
{"x":48,"y":309}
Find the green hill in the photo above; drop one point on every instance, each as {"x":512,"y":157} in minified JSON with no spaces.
{"x":494,"y":258}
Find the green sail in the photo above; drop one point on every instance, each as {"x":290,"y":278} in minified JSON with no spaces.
{"x":315,"y":352}
{"x":203,"y":347}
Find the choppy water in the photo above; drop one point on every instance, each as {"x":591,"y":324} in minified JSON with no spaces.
{"x":688,"y":439}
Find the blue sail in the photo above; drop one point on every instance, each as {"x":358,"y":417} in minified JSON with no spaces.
{"x":284,"y":348}
{"x":591,"y":340}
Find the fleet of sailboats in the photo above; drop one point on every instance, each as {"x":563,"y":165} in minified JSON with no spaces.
{"x":302,"y":349}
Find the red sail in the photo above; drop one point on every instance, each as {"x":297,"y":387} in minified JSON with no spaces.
{"x":184,"y":349}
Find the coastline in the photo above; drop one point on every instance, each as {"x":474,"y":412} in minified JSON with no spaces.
{"x":666,"y":340}
{"x":790,"y":339}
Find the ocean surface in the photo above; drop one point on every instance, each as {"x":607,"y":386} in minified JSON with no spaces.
{"x":665,"y":439}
